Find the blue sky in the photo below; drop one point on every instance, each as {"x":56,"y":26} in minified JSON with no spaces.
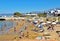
{"x":11,"y":6}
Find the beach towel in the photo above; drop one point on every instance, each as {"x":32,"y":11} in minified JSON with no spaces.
{"x":38,"y":37}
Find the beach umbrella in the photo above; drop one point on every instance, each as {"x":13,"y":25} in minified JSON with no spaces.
{"x":35,"y":22}
{"x":53,"y":22}
{"x":48,"y":22}
{"x":43,"y":23}
{"x":40,"y":26}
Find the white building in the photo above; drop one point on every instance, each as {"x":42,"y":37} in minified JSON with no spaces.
{"x":54,"y":12}
{"x":31,"y":14}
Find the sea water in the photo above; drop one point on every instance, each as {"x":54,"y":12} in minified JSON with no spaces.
{"x":6,"y":25}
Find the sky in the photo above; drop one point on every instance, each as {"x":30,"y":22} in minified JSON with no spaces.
{"x":23,"y":6}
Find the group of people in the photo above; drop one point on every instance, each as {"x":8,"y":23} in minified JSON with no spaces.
{"x":38,"y":24}
{"x":49,"y":25}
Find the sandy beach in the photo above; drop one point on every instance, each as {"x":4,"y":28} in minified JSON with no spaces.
{"x":28,"y":34}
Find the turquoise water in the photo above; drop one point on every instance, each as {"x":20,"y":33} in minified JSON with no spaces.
{"x":5,"y":25}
